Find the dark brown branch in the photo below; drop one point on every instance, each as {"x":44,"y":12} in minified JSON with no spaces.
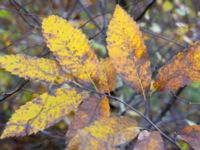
{"x":149,"y":5}
{"x":183,"y":100}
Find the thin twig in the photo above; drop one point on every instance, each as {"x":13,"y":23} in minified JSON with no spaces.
{"x":88,"y":14}
{"x":154,"y":35}
{"x":105,"y":21}
{"x":21,"y":15}
{"x":183,"y":100}
{"x":168,"y":106}
{"x":19,"y":86}
{"x":89,"y":20}
{"x":26,"y":12}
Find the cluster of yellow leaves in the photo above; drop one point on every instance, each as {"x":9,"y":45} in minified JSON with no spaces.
{"x":77,"y":62}
{"x":74,"y":60}
{"x":48,"y":109}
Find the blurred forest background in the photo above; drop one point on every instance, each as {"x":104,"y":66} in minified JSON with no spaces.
{"x":168,"y":27}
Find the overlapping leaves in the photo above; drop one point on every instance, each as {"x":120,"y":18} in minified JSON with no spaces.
{"x":76,"y":59}
{"x":77,"y":62}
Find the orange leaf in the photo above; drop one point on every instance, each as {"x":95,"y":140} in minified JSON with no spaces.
{"x":182,"y":70}
{"x":191,"y":135}
{"x":107,"y":78}
{"x":149,"y":141}
{"x":90,"y":110}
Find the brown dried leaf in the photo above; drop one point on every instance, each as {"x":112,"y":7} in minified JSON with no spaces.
{"x":149,"y":141}
{"x":181,"y":70}
{"x":191,"y":135}
{"x":90,"y":110}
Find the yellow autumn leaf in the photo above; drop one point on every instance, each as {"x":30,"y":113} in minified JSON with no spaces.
{"x":105,"y":134}
{"x":42,"y":112}
{"x":182,"y":70}
{"x":127,"y":50}
{"x":71,"y":48}
{"x":32,"y":67}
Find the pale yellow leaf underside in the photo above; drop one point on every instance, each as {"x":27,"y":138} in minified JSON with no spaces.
{"x":105,"y":134}
{"x":127,"y":49}
{"x":32,"y":67}
{"x":71,"y":48}
{"x":42,"y":112}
